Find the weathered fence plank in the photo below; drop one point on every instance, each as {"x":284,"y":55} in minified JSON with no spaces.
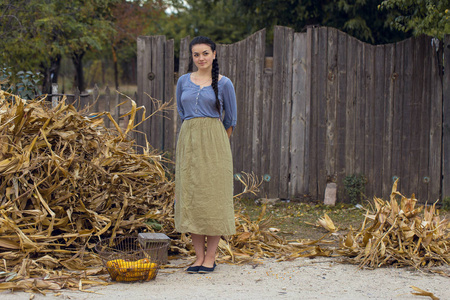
{"x":170,"y":116}
{"x":286,"y":103}
{"x":350,"y":124}
{"x":341,"y":108}
{"x":300,"y":114}
{"x":389,"y":69}
{"x":248,"y":103}
{"x":425,"y":110}
{"x":435,"y":156}
{"x":241,"y":129}
{"x":259,"y":53}
{"x":369,"y":122}
{"x":446,"y":121}
{"x":397,"y":112}
{"x":416,"y":180}
{"x":321,"y":107}
{"x":331,"y":97}
{"x":276,"y":121}
{"x":266,"y":131}
{"x":406,"y":125}
{"x":313,"y":137}
{"x":379,"y":119}
{"x":417,"y":117}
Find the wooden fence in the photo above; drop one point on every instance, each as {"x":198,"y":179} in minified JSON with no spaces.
{"x":96,"y":101}
{"x":329,"y":107}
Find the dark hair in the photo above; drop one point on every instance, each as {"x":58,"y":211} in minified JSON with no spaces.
{"x":215,"y":65}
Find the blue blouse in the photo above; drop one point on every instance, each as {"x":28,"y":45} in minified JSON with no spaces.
{"x":196,"y":102}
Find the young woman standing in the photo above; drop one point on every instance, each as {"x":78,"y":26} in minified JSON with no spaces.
{"x":204,"y":166}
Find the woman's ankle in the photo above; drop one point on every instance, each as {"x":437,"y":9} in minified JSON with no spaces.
{"x":198,"y":261}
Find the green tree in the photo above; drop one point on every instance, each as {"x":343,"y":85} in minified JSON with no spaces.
{"x":359,"y":18}
{"x":431,"y":17}
{"x":224,"y":21}
{"x":35,"y":34}
{"x":132,"y":19}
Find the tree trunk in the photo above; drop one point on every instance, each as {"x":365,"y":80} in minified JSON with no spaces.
{"x":116,"y":70}
{"x":77,"y":59}
{"x":50,"y":74}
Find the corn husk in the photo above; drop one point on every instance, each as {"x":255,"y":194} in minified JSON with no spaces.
{"x":66,"y":182}
{"x":399,"y":234}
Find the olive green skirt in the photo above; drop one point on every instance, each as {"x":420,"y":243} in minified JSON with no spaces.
{"x":204,"y":179}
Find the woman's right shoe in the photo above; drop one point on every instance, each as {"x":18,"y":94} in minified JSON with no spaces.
{"x":193,"y":269}
{"x":205,"y":270}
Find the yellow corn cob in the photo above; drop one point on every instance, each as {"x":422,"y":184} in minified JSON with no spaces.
{"x":122,"y":270}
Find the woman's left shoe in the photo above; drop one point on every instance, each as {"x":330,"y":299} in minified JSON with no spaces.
{"x":205,"y":270}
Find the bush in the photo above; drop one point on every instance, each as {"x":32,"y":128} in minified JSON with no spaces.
{"x":446,"y":203}
{"x":24,"y":84}
{"x":355,"y":187}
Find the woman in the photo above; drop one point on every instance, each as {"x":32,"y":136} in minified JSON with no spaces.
{"x":204,"y":166}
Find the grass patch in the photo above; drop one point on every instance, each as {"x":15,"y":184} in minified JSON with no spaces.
{"x":297,"y":220}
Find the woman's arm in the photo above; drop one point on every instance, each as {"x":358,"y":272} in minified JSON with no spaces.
{"x":230,"y":107}
{"x":178,"y":95}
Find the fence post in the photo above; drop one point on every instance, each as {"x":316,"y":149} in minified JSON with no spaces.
{"x":54,"y":91}
{"x":108,"y":106}
{"x":76,"y":96}
{"x":116,"y":108}
{"x":95,"y":98}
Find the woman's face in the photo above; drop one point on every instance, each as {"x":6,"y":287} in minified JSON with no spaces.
{"x":203,"y":56}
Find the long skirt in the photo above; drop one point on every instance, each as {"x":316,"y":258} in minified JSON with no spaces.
{"x":204,"y":179}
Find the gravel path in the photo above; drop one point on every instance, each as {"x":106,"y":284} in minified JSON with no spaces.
{"x":319,"y":278}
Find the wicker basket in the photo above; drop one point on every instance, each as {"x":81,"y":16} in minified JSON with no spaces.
{"x":126,"y":259}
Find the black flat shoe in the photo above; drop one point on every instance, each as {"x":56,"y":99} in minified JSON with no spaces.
{"x":204,"y":270}
{"x":193,"y":269}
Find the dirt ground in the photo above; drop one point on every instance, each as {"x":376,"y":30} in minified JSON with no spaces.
{"x":303,"y":278}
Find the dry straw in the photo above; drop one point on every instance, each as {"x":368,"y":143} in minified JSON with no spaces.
{"x":67,"y":182}
{"x":399,"y":234}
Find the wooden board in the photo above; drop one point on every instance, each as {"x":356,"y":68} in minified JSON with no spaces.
{"x":446,"y":121}
{"x":435,"y":157}
{"x":406,"y":124}
{"x":389,"y":70}
{"x":277,"y":81}
{"x":331,"y":104}
{"x":286,"y":92}
{"x":379,"y":120}
{"x":169,"y":121}
{"x":313,"y":148}
{"x":341,"y":117}
{"x":300,"y":114}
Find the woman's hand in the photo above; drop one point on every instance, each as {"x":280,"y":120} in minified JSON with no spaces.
{"x":229,"y":131}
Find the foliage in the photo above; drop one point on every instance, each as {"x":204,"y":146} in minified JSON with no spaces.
{"x":431,"y":17}
{"x":446,"y":203}
{"x":132,"y":19}
{"x":359,"y":18}
{"x":224,"y":21}
{"x":36,"y":34}
{"x":24,"y":84}
{"x":354,"y":186}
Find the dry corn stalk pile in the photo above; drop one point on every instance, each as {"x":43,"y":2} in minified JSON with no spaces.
{"x":65,"y":182}
{"x":397,"y":234}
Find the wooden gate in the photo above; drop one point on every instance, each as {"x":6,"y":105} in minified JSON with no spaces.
{"x":329,"y":107}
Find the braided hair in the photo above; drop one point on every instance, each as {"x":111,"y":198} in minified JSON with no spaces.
{"x":215,"y":65}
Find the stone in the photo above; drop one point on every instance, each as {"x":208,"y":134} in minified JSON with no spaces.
{"x":330,"y":194}
{"x":268,"y":201}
